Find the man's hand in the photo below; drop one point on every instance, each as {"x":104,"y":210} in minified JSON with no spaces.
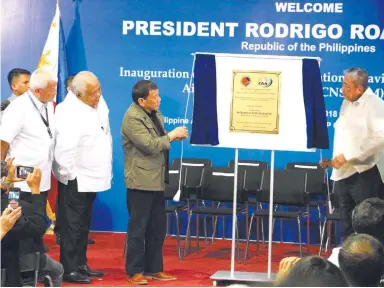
{"x":339,"y":161}
{"x":326,"y":163}
{"x":178,"y":133}
{"x":33,"y":180}
{"x":8,"y":219}
{"x":285,"y":267}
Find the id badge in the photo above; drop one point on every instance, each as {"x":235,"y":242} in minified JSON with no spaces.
{"x":51,"y":151}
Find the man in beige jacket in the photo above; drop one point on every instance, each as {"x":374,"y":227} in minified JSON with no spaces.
{"x":146,"y":160}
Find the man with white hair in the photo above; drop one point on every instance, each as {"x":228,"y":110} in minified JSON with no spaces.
{"x":358,"y":142}
{"x":28,"y":127}
{"x":27,"y":134}
{"x":83,"y":163}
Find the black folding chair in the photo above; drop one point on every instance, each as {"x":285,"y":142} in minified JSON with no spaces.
{"x":172,"y":208}
{"x":217,"y":185}
{"x":289,"y":189}
{"x":317,"y":188}
{"x":254,"y":171}
{"x":30,"y":263}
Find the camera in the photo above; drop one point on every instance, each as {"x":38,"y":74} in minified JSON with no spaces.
{"x":23,"y":171}
{"x":13,"y":198}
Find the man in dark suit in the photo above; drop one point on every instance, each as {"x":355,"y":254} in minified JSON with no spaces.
{"x":146,"y":158}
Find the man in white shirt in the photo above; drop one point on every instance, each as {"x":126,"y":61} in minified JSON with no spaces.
{"x":83,"y":156}
{"x":358,"y":142}
{"x":27,"y":130}
{"x":103,"y":109}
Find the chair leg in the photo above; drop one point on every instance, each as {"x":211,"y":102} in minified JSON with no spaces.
{"x":178,"y":234}
{"x":35,"y":280}
{"x":198,"y":232}
{"x":262,"y":231}
{"x":167,"y":225}
{"x":281,"y":230}
{"x":188,"y":235}
{"x":223,"y":219}
{"x":214,"y":229}
{"x":205,"y":231}
{"x":335,"y":224}
{"x":329,"y":231}
{"x":238,"y":241}
{"x":298,"y":225}
{"x":246,"y":222}
{"x":247,"y":243}
{"x":319,"y":213}
{"x":258,"y":234}
{"x":308,"y":229}
{"x":322,"y":234}
{"x":125,"y":246}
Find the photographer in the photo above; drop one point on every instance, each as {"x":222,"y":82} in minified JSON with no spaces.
{"x":32,"y":243}
{"x":31,"y":223}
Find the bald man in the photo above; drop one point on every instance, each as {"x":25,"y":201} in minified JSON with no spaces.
{"x":83,"y":163}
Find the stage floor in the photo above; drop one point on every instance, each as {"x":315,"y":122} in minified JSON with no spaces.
{"x":107,"y":255}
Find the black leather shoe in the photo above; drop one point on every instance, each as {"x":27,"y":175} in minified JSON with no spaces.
{"x":84,"y":269}
{"x":91,"y":241}
{"x":77,"y":277}
{"x":58,"y":239}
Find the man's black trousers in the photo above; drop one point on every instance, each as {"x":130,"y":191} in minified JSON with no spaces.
{"x":354,"y":190}
{"x":75,"y":218}
{"x":146,"y":231}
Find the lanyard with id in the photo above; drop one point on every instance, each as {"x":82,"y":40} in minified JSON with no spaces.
{"x":46,"y":123}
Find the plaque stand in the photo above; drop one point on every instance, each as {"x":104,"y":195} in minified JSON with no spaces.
{"x":264,"y":279}
{"x":232,"y":276}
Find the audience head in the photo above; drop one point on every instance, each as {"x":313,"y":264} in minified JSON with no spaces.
{"x":368,"y":218}
{"x":355,"y":83}
{"x":313,"y":271}
{"x":86,"y":87}
{"x":68,"y":82}
{"x":43,"y":85}
{"x":18,"y":80}
{"x":146,"y":94}
{"x":361,"y":259}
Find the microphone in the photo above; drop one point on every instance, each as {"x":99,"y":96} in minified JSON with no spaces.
{"x":4,"y":104}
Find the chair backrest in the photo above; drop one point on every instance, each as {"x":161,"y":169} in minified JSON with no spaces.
{"x":289,"y":187}
{"x":316,"y":177}
{"x":217,"y":185}
{"x":192,"y":168}
{"x":192,"y":162}
{"x":253,"y":177}
{"x":249,"y":163}
{"x":30,"y":263}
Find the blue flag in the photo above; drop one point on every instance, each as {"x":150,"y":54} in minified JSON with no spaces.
{"x":76,"y":58}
